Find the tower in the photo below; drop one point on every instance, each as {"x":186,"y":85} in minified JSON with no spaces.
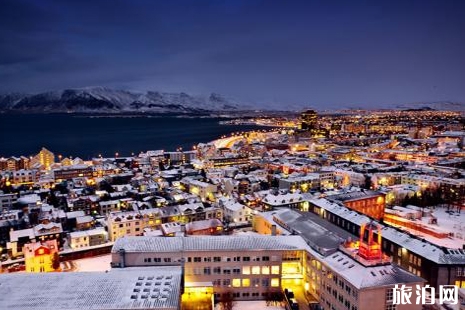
{"x":370,"y":247}
{"x":309,"y":120}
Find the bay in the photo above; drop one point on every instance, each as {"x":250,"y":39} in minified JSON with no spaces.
{"x":89,"y":136}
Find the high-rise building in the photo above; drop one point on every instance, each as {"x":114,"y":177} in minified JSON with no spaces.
{"x":309,"y":120}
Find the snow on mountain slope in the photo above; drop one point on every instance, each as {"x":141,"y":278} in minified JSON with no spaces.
{"x":107,"y":100}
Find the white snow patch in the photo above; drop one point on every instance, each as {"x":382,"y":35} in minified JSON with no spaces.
{"x":98,"y":263}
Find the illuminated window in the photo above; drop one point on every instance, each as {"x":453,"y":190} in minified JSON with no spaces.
{"x":246,"y":270}
{"x":256,"y":270}
{"x":274,"y":269}
{"x":236,"y":282}
{"x":266,"y":270}
{"x":275,"y":282}
{"x":41,"y":251}
{"x":245,"y":282}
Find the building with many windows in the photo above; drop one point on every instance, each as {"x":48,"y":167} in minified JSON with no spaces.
{"x":256,"y":267}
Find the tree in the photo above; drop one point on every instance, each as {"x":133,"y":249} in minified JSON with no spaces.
{"x":227,"y":301}
{"x":55,"y":261}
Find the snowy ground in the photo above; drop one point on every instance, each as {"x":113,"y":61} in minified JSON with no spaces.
{"x":98,"y":263}
{"x":252,"y":305}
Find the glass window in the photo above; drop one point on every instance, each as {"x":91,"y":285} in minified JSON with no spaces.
{"x":236,"y":282}
{"x":275,"y":282}
{"x":275,"y":269}
{"x":245,"y":282}
{"x":246,"y":270}
{"x":256,"y":270}
{"x":266,"y":270}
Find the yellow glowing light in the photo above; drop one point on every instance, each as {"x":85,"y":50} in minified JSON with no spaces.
{"x":236,"y":282}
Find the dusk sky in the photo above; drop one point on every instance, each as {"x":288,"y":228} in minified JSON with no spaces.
{"x":323,"y":53}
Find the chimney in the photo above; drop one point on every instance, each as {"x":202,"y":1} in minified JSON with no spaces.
{"x":273,"y":230}
{"x":122,"y":258}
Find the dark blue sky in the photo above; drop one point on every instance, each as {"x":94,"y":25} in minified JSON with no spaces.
{"x":322,"y":53}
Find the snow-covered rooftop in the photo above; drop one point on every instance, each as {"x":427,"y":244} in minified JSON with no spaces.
{"x":412,"y":243}
{"x":128,"y":288}
{"x":374,"y":276}
{"x":209,"y":243}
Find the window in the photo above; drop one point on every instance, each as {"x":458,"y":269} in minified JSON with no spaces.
{"x":157,"y":260}
{"x":266,"y":270}
{"x":167,"y":259}
{"x":255,"y":282}
{"x":256,"y":270}
{"x":266,"y":258}
{"x":246,"y":259}
{"x":265,"y":282}
{"x":226,"y":271}
{"x":207,"y":259}
{"x":236,"y":271}
{"x":390,"y":307}
{"x":246,"y":270}
{"x":189,"y":259}
{"x":245,"y":282}
{"x":389,"y":294}
{"x":206,"y":270}
{"x":147,"y":260}
{"x":459,"y":271}
{"x":274,"y":269}
{"x":237,"y":259}
{"x":217,"y":270}
{"x":236,"y":282}
{"x":197,"y":259}
{"x":226,"y":282}
{"x":275,"y":282}
{"x":217,"y":259}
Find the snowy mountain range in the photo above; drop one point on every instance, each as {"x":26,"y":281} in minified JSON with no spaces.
{"x":107,"y":100}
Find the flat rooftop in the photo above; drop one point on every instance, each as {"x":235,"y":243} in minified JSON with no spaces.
{"x":126,"y":288}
